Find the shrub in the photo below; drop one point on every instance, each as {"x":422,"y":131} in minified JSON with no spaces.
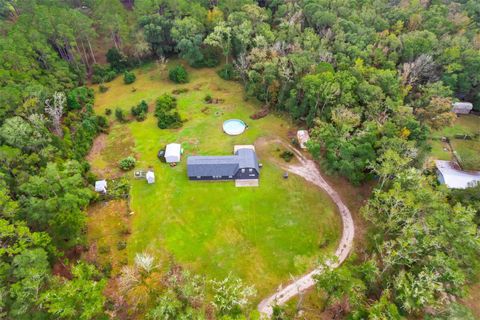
{"x":119,"y":115}
{"x":102,"y":74}
{"x":127,"y":163}
{"x":178,"y":74}
{"x":102,"y":88}
{"x":102,"y":122}
{"x":129,"y":77}
{"x":208,"y":98}
{"x":165,"y":111}
{"x":121,"y":245}
{"x":140,"y":111}
{"x":227,"y":72}
{"x":117,"y":60}
{"x":165,"y":102}
{"x":286,"y":155}
{"x":79,"y":98}
{"x":108,"y":111}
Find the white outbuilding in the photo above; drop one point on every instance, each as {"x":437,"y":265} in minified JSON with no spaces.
{"x":453,"y":177}
{"x":303,"y":137}
{"x":173,"y":152}
{"x":150,"y":176}
{"x":462,"y":107}
{"x":101,"y":186}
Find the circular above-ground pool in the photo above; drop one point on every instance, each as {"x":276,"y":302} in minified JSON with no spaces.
{"x":234,"y":127}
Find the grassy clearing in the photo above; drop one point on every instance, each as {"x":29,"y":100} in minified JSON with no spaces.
{"x":108,"y":229}
{"x":261,"y":234}
{"x":464,"y":125}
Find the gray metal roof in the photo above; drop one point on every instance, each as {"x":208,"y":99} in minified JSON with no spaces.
{"x":221,"y":165}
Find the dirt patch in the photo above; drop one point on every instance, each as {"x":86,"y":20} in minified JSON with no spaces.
{"x":98,"y":145}
{"x":472,"y":301}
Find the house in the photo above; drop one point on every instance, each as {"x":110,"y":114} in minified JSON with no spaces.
{"x":150,"y":176}
{"x":462,"y":107}
{"x":303,"y":137}
{"x":173,"y":152}
{"x":453,"y":177}
{"x":242,"y":165}
{"x":101,"y":186}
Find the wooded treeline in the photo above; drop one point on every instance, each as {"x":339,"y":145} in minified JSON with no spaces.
{"x":370,"y":79}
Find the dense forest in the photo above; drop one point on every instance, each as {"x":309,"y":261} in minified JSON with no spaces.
{"x":369,"y":78}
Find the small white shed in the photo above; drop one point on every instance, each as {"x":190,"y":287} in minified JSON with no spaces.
{"x":462,"y":107}
{"x":303,"y":137}
{"x":173,"y":152}
{"x":101,"y":186}
{"x":150,"y":176}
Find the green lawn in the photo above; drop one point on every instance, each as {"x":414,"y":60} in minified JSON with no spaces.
{"x":263,"y":235}
{"x":464,"y":125}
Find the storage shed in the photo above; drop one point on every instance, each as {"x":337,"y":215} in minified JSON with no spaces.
{"x":101,"y":186}
{"x":462,"y":107}
{"x":303,"y":137}
{"x":173,"y":152}
{"x":150,"y":176}
{"x":454,"y":178}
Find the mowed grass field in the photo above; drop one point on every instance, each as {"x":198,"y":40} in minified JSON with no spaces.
{"x":263,"y":235}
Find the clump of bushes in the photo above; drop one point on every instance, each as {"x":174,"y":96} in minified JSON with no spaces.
{"x":178,"y":74}
{"x":227,"y":72}
{"x":286,"y":155}
{"x":165,"y":111}
{"x":129,"y":77}
{"x":79,"y":98}
{"x":102,"y":74}
{"x":127,"y":163}
{"x":140,"y":111}
{"x":120,"y":115}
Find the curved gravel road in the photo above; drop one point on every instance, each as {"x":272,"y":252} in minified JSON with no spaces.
{"x":309,"y":171}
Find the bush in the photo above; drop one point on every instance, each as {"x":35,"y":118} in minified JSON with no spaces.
{"x":208,"y":98}
{"x":118,"y":62}
{"x":119,"y":115}
{"x":227,"y":72}
{"x":286,"y":155}
{"x":102,"y":122}
{"x":108,"y":111}
{"x":129,"y":77}
{"x":140,"y":111}
{"x":121,"y":245}
{"x":102,"y":88}
{"x":165,"y":111}
{"x":102,"y":74}
{"x":79,"y":98}
{"x":178,"y":74}
{"x":127,"y":163}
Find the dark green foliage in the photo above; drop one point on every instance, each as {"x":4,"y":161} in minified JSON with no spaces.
{"x":287,"y":155}
{"x":119,"y":115}
{"x":79,"y":97}
{"x":118,"y":62}
{"x":102,"y":74}
{"x":108,"y":111}
{"x":178,"y":74}
{"x":127,"y":163}
{"x":140,"y":111}
{"x":165,"y":111}
{"x":129,"y":77}
{"x":227,"y":72}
